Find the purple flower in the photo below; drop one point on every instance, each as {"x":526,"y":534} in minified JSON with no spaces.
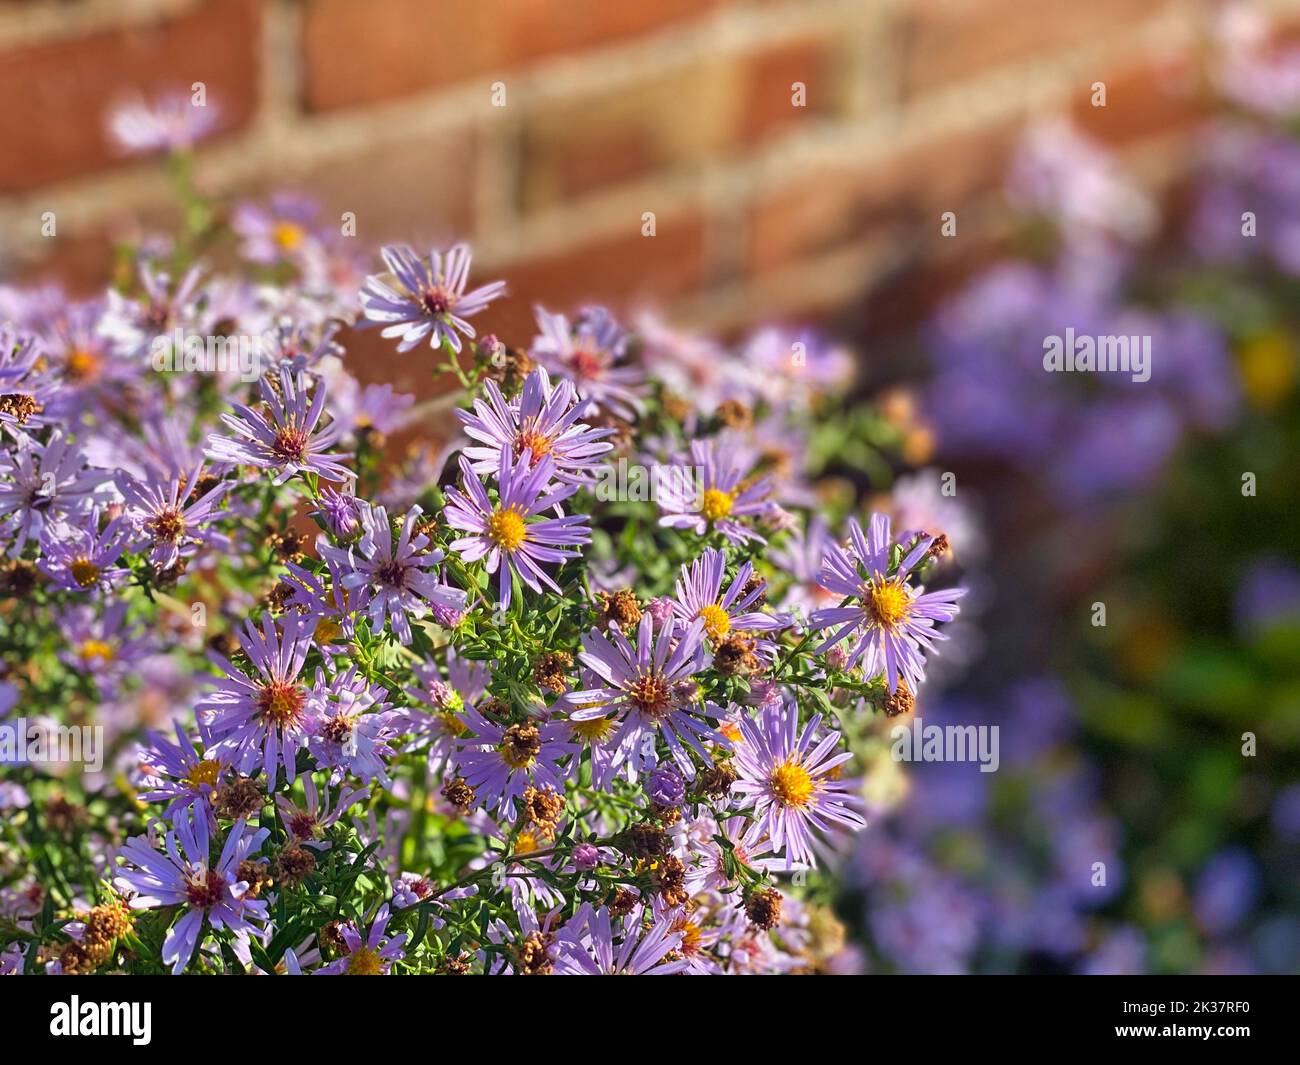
{"x":426,"y":298}
{"x":78,"y":558}
{"x":175,"y":773}
{"x":26,"y":387}
{"x":542,"y":421}
{"x":589,"y":945}
{"x":170,"y":123}
{"x":399,"y":578}
{"x":287,"y":438}
{"x":299,"y":346}
{"x":276,"y":232}
{"x":330,"y":609}
{"x":710,"y":492}
{"x":499,"y":761}
{"x":350,"y":727}
{"x":371,"y":955}
{"x":340,"y":513}
{"x":666,"y":787}
{"x":591,"y":353}
{"x":40,"y":484}
{"x":786,"y":775}
{"x":504,"y":534}
{"x":435,"y":721}
{"x":892,"y":623}
{"x":264,"y":717}
{"x":800,"y":560}
{"x":180,"y":876}
{"x":700,"y":595}
{"x":648,"y":688}
{"x":166,"y":513}
{"x":101,"y":644}
{"x":135,"y":325}
{"x":307,"y":823}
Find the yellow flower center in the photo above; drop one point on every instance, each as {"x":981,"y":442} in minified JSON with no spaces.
{"x":84,"y":572}
{"x":506,"y":529}
{"x":594,"y":730}
{"x":716,"y":621}
{"x":206,"y":772}
{"x":791,"y":784}
{"x":327,"y":631}
{"x":282,"y":702}
{"x":539,"y":444}
{"x":288,"y":235}
{"x":95,"y":649}
{"x":81,"y":364}
{"x":365,"y":962}
{"x":716,"y":504}
{"x":888,"y":602}
{"x":525,"y":842}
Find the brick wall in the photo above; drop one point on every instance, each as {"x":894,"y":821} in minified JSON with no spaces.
{"x":612,"y":108}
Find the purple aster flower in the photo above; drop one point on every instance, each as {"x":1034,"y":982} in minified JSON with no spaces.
{"x":786,"y":773}
{"x":307,"y":823}
{"x":613,"y":751}
{"x":167,"y":514}
{"x":421,"y":298}
{"x":339,"y":512}
{"x":710,"y":492}
{"x":277,"y":231}
{"x":435,"y":721}
{"x":175,"y":773}
{"x":299,"y":346}
{"x":80,"y":557}
{"x":26,"y":388}
{"x":93,"y":371}
{"x":800,"y":560}
{"x":374,"y":409}
{"x":369,"y":955}
{"x":700,"y":595}
{"x":542,"y":421}
{"x":135,"y":325}
{"x":666,"y":787}
{"x":287,"y":438}
{"x":892,"y":623}
{"x":590,"y":353}
{"x":329,"y":606}
{"x":588,"y":947}
{"x":648,"y":688}
{"x":399,"y":578}
{"x":180,"y":876}
{"x":504,"y":534}
{"x":40,"y":484}
{"x":708,"y":869}
{"x":350,"y":727}
{"x":170,"y":123}
{"x":263,"y":717}
{"x":101,"y":643}
{"x":499,"y":761}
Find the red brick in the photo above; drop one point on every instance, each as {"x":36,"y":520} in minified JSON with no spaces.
{"x":404,"y":191}
{"x":838,"y":206}
{"x":1143,"y":101}
{"x":945,"y":41}
{"x":768,"y":80}
{"x":624,"y":272}
{"x":701,"y":112}
{"x":56,"y":95}
{"x":356,"y":53}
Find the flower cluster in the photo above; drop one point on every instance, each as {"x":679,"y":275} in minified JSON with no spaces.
{"x":357,"y":711}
